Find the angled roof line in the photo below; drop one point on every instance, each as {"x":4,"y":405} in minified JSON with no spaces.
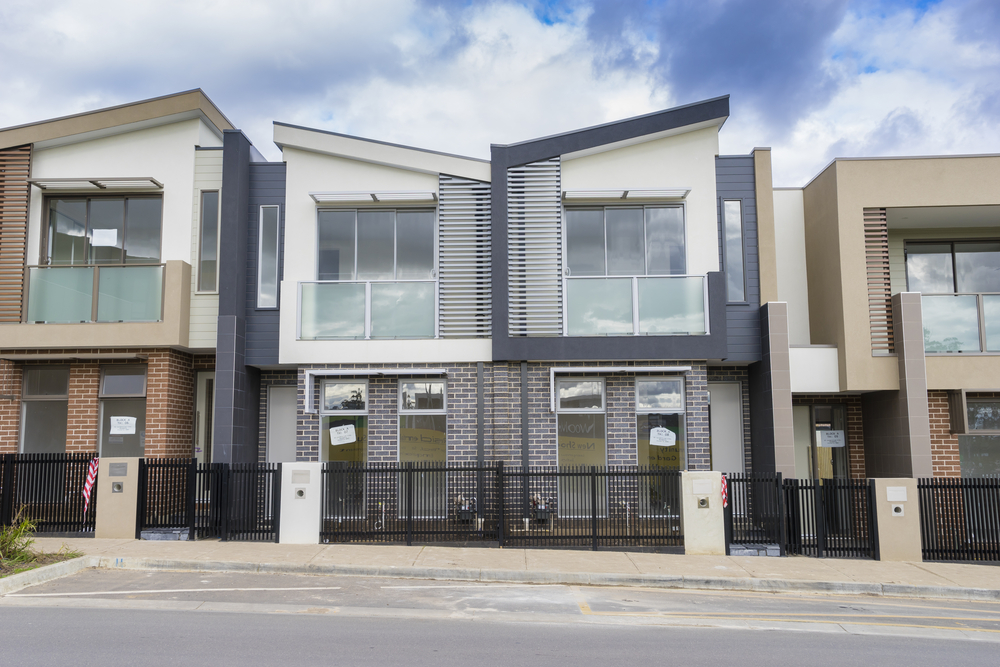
{"x":615,"y":131}
{"x":376,"y":141}
{"x":194,"y":100}
{"x":893,"y":157}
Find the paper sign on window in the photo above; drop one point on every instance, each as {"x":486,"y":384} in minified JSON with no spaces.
{"x":122,"y":425}
{"x":341,"y":435}
{"x":104,"y":237}
{"x":831,"y":439}
{"x":662,"y":437}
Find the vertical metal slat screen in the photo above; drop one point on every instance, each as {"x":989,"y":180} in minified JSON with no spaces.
{"x":15,"y":167}
{"x":464,"y":258}
{"x":879,"y":282}
{"x":534,"y":249}
{"x":960,"y":518}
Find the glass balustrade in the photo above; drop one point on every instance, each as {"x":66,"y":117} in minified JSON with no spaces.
{"x":955,"y":323}
{"x":65,"y":294}
{"x":672,"y":305}
{"x":337,"y":310}
{"x":667,"y":305}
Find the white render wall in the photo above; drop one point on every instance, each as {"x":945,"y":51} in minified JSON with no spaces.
{"x":790,"y":249}
{"x":683,"y":160}
{"x":204,"y":306}
{"x":165,"y":153}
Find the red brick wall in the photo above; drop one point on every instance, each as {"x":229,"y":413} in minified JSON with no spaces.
{"x":169,"y":404}
{"x":10,"y":408}
{"x":944,"y":444}
{"x":81,"y":419}
{"x":855,"y":426}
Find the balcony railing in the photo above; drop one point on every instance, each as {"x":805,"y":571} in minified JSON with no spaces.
{"x":95,"y":293}
{"x":663,"y":305}
{"x":961,"y":322}
{"x":363,"y":310}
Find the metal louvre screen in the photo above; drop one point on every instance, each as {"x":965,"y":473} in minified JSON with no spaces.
{"x":534,"y":249}
{"x":15,"y":165}
{"x":464,"y":256}
{"x":879,"y":285}
{"x":48,"y":488}
{"x":960,"y":518}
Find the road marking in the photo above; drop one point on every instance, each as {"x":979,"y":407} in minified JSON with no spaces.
{"x":169,"y":590}
{"x":483,"y":585}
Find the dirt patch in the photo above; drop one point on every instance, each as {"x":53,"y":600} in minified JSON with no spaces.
{"x":8,"y":568}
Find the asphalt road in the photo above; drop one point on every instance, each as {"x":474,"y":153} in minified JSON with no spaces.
{"x":112,"y":617}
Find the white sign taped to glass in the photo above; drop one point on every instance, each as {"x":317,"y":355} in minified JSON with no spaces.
{"x":662,"y":437}
{"x":831,"y":439}
{"x":123,"y":426}
{"x":342,"y":435}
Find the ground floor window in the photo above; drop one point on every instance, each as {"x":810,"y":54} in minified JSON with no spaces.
{"x":423,"y":441}
{"x":44,"y":410}
{"x":659,"y":423}
{"x":979,"y":451}
{"x":581,"y":424}
{"x":821,"y":443}
{"x":344,"y":421}
{"x":122,"y":411}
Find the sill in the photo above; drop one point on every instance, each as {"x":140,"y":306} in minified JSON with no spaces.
{"x":215,"y":293}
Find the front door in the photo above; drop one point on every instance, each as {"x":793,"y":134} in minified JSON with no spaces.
{"x":204,"y":413}
{"x":282,"y":412}
{"x":725,"y":419}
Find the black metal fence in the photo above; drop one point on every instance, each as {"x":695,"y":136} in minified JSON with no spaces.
{"x":582,"y":507}
{"x":48,"y":488}
{"x":228,"y":501}
{"x":960,"y":518}
{"x":756,"y":510}
{"x":832,"y":518}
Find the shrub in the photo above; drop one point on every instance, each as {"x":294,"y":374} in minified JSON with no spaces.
{"x":15,"y":539}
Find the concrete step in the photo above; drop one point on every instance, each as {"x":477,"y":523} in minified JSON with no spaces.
{"x":754,"y":550}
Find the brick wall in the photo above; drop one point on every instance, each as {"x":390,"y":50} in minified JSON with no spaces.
{"x":944,"y":444}
{"x":855,"y":426}
{"x":10,"y":408}
{"x":82,"y":416}
{"x":169,"y":404}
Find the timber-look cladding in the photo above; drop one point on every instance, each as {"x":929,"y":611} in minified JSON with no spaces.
{"x":15,"y":169}
{"x":879,"y":286}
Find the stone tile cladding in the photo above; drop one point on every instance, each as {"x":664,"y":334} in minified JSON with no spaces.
{"x":169,"y":401}
{"x":502,"y":422}
{"x":737,"y":374}
{"x":283,"y":378}
{"x":944,"y":444}
{"x":855,"y":426}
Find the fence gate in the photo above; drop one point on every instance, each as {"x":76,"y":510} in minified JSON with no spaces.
{"x":832,"y":518}
{"x":49,"y":489}
{"x":960,"y":518}
{"x":756,"y":510}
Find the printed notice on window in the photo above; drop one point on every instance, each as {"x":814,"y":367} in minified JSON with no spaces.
{"x":831,"y":439}
{"x":104,"y":237}
{"x":662,"y":437}
{"x":123,"y":426}
{"x":341,"y":435}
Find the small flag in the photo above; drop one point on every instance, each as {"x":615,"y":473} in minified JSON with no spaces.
{"x":725,"y":492}
{"x":89,"y":484}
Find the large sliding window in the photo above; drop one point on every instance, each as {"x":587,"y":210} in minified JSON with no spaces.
{"x":123,"y":411}
{"x":344,"y":441}
{"x":376,"y":275}
{"x":104,"y":230}
{"x":960,"y":287}
{"x":423,"y":438}
{"x":208,"y":242}
{"x":44,"y":410}
{"x":625,"y":273}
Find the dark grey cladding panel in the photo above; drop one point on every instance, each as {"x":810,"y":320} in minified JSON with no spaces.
{"x":600,"y":135}
{"x":267,"y":188}
{"x":583,"y":348}
{"x":734,"y":177}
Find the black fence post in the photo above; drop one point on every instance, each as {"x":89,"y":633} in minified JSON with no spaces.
{"x":727,"y":511}
{"x":143,"y":493}
{"x":500,"y":510}
{"x":593,"y":506}
{"x":223,"y":499}
{"x":192,"y":487}
{"x":409,"y":503}
{"x":780,"y":525}
{"x":873,"y":521}
{"x":7,"y":499}
{"x":276,"y":503}
{"x":820,"y":510}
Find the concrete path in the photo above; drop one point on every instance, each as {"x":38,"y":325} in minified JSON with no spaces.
{"x":545,"y":566}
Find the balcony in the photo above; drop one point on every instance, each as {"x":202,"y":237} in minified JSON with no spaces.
{"x":361,"y":310}
{"x":957,"y":323}
{"x":95,"y":293}
{"x":638,"y":306}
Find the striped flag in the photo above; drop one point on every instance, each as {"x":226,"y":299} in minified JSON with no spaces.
{"x":89,"y":484}
{"x":725,"y":492}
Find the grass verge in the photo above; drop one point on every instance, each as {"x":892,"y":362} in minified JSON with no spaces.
{"x":16,"y":554}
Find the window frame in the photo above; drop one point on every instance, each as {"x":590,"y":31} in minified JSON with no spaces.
{"x":44,"y":249}
{"x":604,"y":396}
{"x":145,"y":380}
{"x":40,"y":398}
{"x":325,"y":412}
{"x":954,"y":267}
{"x":743,"y":248}
{"x":979,"y":431}
{"x":277,"y":263}
{"x":654,"y":411}
{"x":201,"y":238}
{"x":418,"y":411}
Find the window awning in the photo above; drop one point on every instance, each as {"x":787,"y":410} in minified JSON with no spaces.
{"x":632,"y":194}
{"x":312,"y":374}
{"x":97,"y":184}
{"x":74,"y":356}
{"x":603,"y":370}
{"x":372,"y":197}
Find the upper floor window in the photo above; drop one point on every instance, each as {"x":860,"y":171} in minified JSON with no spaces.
{"x":625,"y":271}
{"x":376,"y":245}
{"x":208,"y":242}
{"x":732,"y":227}
{"x":949,"y":268}
{"x":104,"y":230}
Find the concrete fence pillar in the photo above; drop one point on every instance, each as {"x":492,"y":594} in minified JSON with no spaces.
{"x":897,"y":511}
{"x":301,"y":502}
{"x":117,"y":498}
{"x":702,"y":519}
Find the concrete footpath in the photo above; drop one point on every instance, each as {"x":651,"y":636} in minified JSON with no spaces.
{"x":539,"y":566}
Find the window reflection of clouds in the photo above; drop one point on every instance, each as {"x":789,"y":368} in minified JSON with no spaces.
{"x":929,"y":272}
{"x":344,"y":396}
{"x":659,"y":395}
{"x":579,"y":394}
{"x":978,"y":267}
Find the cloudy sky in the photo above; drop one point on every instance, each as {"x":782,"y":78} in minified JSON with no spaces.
{"x":813,"y":79}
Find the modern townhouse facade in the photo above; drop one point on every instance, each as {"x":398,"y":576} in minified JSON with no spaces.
{"x":109,"y":251}
{"x":881,"y":314}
